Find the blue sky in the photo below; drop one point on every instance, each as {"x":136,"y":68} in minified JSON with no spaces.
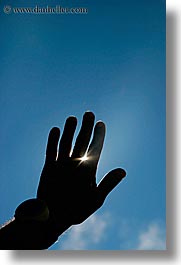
{"x":110,"y":61}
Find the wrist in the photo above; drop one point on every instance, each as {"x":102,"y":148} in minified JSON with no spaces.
{"x":38,"y":223}
{"x":33,"y":227}
{"x":35,"y":235}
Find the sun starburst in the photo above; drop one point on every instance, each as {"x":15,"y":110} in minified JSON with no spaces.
{"x":84,"y":158}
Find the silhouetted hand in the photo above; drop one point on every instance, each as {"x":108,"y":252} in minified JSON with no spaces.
{"x":68,"y":181}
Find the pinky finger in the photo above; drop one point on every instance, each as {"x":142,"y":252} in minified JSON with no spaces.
{"x":51,"y":150}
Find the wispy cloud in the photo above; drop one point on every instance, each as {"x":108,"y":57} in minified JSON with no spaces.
{"x":136,"y":236}
{"x":93,"y":234}
{"x":87,"y":234}
{"x":152,"y":239}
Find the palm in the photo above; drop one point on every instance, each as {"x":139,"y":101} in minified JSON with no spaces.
{"x":67,"y":183}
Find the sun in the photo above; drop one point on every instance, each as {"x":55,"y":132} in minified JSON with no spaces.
{"x":84,"y":158}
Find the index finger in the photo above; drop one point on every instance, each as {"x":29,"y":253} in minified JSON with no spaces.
{"x":96,"y":145}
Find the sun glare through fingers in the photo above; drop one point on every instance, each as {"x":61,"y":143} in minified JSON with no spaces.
{"x":84,"y":158}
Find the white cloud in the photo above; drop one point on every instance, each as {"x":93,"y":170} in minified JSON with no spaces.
{"x":134,"y":237}
{"x":152,"y":239}
{"x":89,"y":233}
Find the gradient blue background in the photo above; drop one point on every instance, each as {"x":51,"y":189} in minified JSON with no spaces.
{"x":110,"y":61}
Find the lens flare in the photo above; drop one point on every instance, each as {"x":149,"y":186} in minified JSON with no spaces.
{"x":84,"y":158}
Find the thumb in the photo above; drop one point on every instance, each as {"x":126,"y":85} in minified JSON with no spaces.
{"x":110,"y":181}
